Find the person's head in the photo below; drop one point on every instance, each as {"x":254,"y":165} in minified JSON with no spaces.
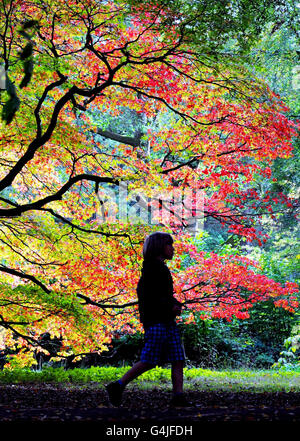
{"x":158,"y":245}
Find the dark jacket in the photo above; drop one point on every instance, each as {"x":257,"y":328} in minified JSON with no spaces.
{"x":155,"y":293}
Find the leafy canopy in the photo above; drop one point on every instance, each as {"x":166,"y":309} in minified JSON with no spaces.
{"x":195,"y":119}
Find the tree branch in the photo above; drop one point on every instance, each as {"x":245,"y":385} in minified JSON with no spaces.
{"x":22,"y":275}
{"x":133,"y":141}
{"x":37,"y":205}
{"x":103,"y":305}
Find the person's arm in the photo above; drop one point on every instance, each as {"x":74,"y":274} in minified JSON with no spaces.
{"x":158,"y":288}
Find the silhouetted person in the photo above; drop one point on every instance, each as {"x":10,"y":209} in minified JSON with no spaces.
{"x":158,"y":309}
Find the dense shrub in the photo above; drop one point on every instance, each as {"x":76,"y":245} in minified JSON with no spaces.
{"x":254,"y":343}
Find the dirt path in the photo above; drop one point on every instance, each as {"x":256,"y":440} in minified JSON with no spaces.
{"x":79,"y":406}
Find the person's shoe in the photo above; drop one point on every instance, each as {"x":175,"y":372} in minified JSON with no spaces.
{"x":115,"y":391}
{"x":179,"y":400}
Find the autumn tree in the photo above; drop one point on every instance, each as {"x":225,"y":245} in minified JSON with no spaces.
{"x":142,"y":96}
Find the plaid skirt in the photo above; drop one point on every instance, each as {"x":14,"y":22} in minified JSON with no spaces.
{"x":162,"y":344}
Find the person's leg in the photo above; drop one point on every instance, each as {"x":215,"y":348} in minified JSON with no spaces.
{"x":177,"y":357}
{"x":179,"y":399}
{"x":137,"y":369}
{"x":116,"y":388}
{"x":177,"y":376}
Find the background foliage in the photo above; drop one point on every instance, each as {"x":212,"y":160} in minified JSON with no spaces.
{"x":161,"y":96}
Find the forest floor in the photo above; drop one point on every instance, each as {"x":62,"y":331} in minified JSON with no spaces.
{"x":42,"y":404}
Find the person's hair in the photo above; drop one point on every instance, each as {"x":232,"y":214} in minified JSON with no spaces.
{"x":154,"y":244}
